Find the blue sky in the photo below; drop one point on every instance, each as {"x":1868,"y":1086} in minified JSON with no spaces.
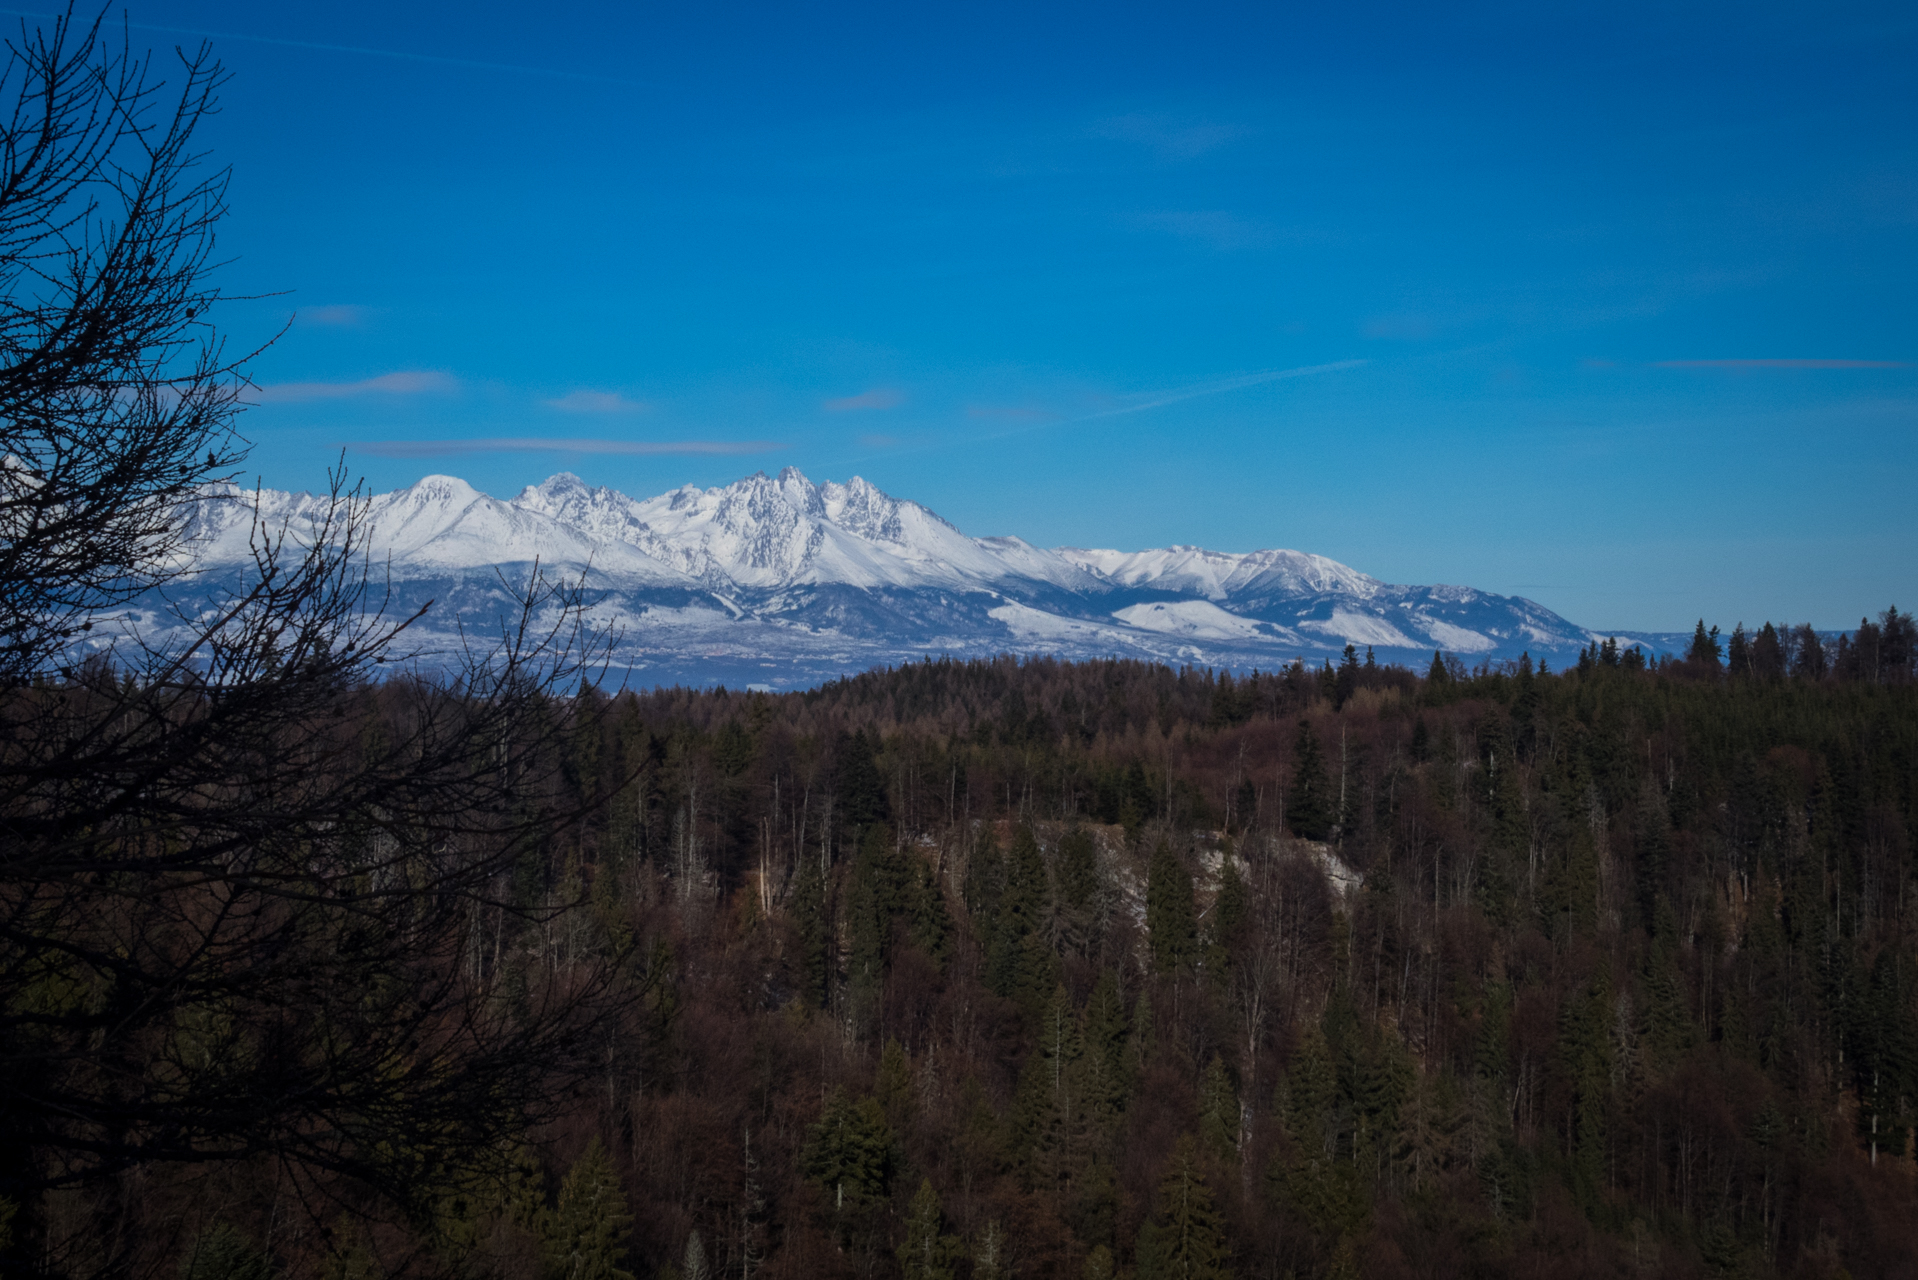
{"x":1608,"y":306}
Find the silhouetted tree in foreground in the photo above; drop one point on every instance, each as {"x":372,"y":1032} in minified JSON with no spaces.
{"x":117,"y":397}
{"x":259,"y":907}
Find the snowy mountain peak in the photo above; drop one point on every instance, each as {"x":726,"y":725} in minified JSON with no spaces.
{"x":446,"y":490}
{"x":603,"y":515}
{"x":1220,"y":575}
{"x":766,"y":532}
{"x":410,"y":518}
{"x":844,"y":573}
{"x":554,"y":489}
{"x":861,"y":508}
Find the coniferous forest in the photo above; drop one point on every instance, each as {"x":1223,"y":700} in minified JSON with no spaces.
{"x":327,"y":957}
{"x":1027,"y":968}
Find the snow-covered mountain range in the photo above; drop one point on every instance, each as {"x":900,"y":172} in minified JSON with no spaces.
{"x":778,"y":581}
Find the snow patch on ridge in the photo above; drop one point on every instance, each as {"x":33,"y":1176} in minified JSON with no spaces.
{"x":1193,"y":619}
{"x":1028,"y":623}
{"x":1458,"y":639}
{"x":1359,"y":628}
{"x":1224,"y":575}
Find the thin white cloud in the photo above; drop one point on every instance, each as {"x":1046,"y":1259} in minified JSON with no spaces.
{"x":877,"y":398}
{"x":1215,"y":227}
{"x":596,"y":402}
{"x":1402,"y":326}
{"x":544,"y":444}
{"x":344,"y":315}
{"x":1174,"y":396}
{"x":1169,"y":139}
{"x":407,"y":382}
{"x":1782,"y":364}
{"x":1227,"y":384}
{"x":1010,"y":413}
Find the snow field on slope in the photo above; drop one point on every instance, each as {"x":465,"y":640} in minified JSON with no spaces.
{"x":1194,"y":619}
{"x":750,"y":559}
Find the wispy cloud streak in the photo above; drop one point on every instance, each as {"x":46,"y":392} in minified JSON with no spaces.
{"x":1216,"y":388}
{"x":407,"y":382}
{"x":1161,"y":399}
{"x":544,"y":444}
{"x":597,"y":402}
{"x":1170,"y":139}
{"x":877,"y":398}
{"x":1010,"y":413}
{"x":1782,"y":364}
{"x":343,"y":315}
{"x":1218,"y":228}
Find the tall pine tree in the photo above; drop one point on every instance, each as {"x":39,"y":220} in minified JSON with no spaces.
{"x":1185,"y":1237}
{"x":927,"y":1254}
{"x":586,"y":1235}
{"x":1019,"y":959}
{"x":862,"y":788}
{"x":1309,"y":803}
{"x":1169,"y":914}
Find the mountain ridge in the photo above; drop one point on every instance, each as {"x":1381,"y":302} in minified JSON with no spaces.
{"x":792,"y":582}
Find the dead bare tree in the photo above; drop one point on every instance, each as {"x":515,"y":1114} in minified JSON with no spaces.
{"x":255,"y":867}
{"x":117,"y":396}
{"x":246,"y":882}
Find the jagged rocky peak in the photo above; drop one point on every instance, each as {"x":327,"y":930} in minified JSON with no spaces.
{"x":857,"y":506}
{"x":802,"y":493}
{"x":860,"y":507}
{"x":1221,"y":575}
{"x":819,"y":572}
{"x":556,"y":489}
{"x":754,"y":497}
{"x":597,"y":511}
{"x":757,"y":531}
{"x":760,"y":498}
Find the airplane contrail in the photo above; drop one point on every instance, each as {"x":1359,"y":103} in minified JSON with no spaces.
{"x":1214,"y":388}
{"x":1161,"y":399}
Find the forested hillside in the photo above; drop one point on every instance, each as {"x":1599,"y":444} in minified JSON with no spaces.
{"x":353,"y":926}
{"x":1028,"y":968}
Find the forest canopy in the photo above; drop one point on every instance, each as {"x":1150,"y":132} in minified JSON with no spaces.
{"x":1028,"y":967}
{"x":324,"y":957}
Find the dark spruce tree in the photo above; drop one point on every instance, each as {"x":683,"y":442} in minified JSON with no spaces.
{"x":1169,"y":915}
{"x":1705,"y":655}
{"x":1309,"y":802}
{"x":1185,"y":1238}
{"x":862,"y":788}
{"x":1347,"y":682}
{"x":1019,"y":959}
{"x":1738,"y":654}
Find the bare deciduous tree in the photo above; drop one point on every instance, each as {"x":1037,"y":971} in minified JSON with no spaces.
{"x":117,"y":396}
{"x":267,"y":888}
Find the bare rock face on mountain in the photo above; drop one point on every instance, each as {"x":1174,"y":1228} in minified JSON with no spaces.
{"x":779,"y":581}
